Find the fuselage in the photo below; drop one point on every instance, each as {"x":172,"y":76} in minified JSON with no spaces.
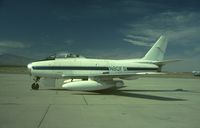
{"x":79,"y":67}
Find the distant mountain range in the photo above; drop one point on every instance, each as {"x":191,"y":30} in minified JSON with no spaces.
{"x":14,"y":60}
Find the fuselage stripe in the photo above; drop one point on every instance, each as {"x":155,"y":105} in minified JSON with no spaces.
{"x":68,"y":68}
{"x":85,"y":68}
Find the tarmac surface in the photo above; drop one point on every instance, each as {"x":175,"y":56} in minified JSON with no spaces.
{"x":144,"y":103}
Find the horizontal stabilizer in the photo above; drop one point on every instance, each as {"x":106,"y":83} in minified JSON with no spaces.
{"x":164,"y":62}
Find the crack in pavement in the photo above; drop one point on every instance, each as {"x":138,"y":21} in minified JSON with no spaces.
{"x":85,"y":100}
{"x":44,"y":116}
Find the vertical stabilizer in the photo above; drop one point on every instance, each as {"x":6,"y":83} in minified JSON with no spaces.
{"x":157,"y":51}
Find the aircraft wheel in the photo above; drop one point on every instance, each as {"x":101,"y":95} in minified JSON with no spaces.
{"x":35,"y":86}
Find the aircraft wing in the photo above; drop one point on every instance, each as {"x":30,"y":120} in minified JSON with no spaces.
{"x":110,"y":75}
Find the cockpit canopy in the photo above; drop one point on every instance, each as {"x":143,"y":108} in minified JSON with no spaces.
{"x":63,"y":55}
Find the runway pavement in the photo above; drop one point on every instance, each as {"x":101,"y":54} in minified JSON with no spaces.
{"x":144,"y":103}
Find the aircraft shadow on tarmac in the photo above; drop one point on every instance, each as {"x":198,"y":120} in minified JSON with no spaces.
{"x":132,"y":94}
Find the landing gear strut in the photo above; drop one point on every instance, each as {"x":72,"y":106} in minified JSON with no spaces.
{"x":35,"y":85}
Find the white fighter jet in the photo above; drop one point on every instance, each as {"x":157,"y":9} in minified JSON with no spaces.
{"x":88,"y":74}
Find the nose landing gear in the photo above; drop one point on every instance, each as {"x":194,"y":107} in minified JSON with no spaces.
{"x":35,"y":85}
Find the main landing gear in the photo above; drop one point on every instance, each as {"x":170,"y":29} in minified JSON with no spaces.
{"x":35,"y":85}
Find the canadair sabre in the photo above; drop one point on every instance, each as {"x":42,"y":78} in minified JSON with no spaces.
{"x":86,"y":74}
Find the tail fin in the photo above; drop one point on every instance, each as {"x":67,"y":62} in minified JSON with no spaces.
{"x":157,"y":51}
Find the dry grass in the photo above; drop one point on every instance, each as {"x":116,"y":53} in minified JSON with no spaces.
{"x":13,"y":69}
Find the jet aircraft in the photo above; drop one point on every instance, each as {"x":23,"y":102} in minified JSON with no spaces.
{"x":88,"y":74}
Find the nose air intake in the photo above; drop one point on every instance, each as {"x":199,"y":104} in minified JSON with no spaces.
{"x":29,"y":66}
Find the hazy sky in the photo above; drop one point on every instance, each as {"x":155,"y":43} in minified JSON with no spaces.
{"x":101,"y":28}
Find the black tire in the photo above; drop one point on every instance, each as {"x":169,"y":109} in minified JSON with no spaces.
{"x":35,"y":86}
